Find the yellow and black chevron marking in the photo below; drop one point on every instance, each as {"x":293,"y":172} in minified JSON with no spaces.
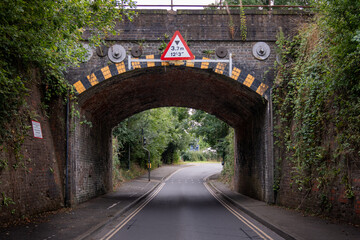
{"x":106,"y":72}
{"x":190,"y":63}
{"x":235,"y":73}
{"x":150,"y":64}
{"x":121,"y":67}
{"x":79,"y":87}
{"x":92,"y":79}
{"x":205,"y":65}
{"x":221,"y":68}
{"x":136,"y":65}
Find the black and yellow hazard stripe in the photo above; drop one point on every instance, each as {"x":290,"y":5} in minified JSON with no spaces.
{"x":237,"y":74}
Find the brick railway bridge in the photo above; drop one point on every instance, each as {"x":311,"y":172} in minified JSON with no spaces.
{"x":114,"y":84}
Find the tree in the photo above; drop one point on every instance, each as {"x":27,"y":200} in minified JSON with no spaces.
{"x":164,"y":129}
{"x":212,"y":130}
{"x":45,"y":36}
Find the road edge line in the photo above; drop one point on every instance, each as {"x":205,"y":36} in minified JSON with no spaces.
{"x":277,"y":230}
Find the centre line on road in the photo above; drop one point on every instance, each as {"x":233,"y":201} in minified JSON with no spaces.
{"x":118,"y":227}
{"x":257,"y":230}
{"x":168,"y":177}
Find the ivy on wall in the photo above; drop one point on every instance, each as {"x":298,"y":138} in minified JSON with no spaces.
{"x":317,"y":101}
{"x":39,"y":40}
{"x":43,"y":38}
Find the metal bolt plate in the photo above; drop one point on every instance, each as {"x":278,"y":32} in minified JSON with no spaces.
{"x":102,"y":50}
{"x":261,"y":51}
{"x":116,"y":53}
{"x":221,"y":52}
{"x":136,"y":51}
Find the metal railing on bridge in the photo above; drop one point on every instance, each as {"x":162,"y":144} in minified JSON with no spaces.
{"x":214,"y":6}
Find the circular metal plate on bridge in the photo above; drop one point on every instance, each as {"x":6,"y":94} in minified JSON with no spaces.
{"x":102,"y":50}
{"x":136,"y":51}
{"x":116,"y":53}
{"x":221,"y":52}
{"x":261,"y":50}
{"x":89,"y":53}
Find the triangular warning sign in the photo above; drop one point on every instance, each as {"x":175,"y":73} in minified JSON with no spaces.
{"x":177,"y":49}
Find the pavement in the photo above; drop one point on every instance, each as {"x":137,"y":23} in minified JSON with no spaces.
{"x":86,"y":218}
{"x":80,"y":222}
{"x":287,"y":223}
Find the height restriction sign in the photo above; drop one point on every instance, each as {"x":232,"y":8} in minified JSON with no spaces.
{"x":177,"y":49}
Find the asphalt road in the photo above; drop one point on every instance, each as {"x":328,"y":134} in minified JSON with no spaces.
{"x":184,"y":207}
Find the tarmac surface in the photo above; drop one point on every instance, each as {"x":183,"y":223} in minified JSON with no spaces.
{"x":88,"y":217}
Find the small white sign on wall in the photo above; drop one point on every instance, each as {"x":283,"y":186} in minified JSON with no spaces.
{"x":37,"y":129}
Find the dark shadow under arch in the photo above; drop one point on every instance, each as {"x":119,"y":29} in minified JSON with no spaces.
{"x":124,"y":95}
{"x":111,"y":100}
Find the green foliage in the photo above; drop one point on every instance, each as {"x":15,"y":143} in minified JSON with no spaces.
{"x":40,"y":39}
{"x":6,"y":201}
{"x":243,"y":29}
{"x":164,"y":42}
{"x":212,"y":130}
{"x":164,"y":130}
{"x":194,"y":156}
{"x":169,"y":132}
{"x":228,"y":171}
{"x":208,"y":52}
{"x":121,"y":175}
{"x":316,"y":100}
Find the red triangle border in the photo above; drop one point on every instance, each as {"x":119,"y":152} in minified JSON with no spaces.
{"x":177,"y":33}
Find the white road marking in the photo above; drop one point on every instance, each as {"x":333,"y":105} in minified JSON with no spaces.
{"x":257,"y":230}
{"x":114,"y":205}
{"x":118,"y":227}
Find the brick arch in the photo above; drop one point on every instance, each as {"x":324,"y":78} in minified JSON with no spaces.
{"x":239,"y":74}
{"x":113,"y":93}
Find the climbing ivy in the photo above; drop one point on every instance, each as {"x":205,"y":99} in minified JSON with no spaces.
{"x":40,"y":39}
{"x":317,"y":100}
{"x":243,"y":28}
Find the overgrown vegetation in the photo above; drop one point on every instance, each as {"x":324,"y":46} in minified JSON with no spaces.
{"x":39,"y":40}
{"x":43,"y":38}
{"x":170,"y":134}
{"x":317,"y":102}
{"x":228,"y":171}
{"x":238,"y":4}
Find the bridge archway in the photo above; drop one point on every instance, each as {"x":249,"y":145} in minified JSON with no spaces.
{"x":113,"y":93}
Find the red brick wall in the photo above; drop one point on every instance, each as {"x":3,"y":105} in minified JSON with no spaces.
{"x":331,"y":202}
{"x":35,"y":183}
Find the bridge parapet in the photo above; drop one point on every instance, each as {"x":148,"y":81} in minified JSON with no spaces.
{"x":209,"y":25}
{"x":204,"y":31}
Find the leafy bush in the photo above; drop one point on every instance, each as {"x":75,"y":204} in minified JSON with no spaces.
{"x":193,"y":156}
